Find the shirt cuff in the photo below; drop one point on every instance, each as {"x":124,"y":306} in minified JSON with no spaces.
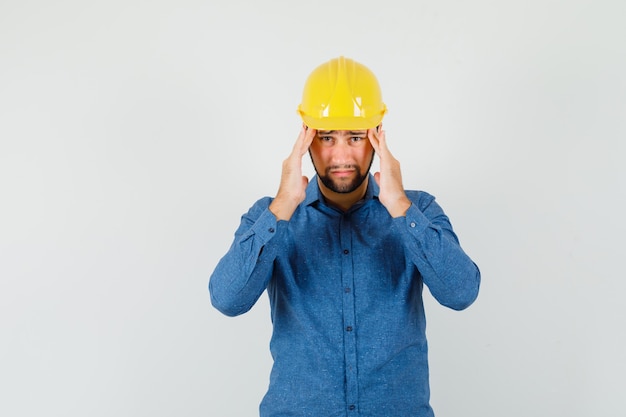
{"x":414,"y":221}
{"x":265,"y":227}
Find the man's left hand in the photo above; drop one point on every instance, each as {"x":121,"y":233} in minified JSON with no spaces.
{"x":389,"y":179}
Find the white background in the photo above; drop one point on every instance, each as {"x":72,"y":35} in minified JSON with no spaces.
{"x":133,"y":134}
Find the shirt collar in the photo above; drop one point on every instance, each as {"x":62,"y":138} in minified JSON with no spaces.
{"x":313,"y":193}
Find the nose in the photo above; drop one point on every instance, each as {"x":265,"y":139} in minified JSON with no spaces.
{"x":342,"y":153}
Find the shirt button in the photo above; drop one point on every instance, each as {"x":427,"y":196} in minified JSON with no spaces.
{"x":347,"y":290}
{"x":352,"y":407}
{"x":271,"y":230}
{"x":412,"y":224}
{"x":349,"y":328}
{"x":346,"y":251}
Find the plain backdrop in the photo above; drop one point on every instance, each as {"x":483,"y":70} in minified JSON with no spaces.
{"x":133,"y":135}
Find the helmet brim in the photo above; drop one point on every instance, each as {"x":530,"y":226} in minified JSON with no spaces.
{"x":342,"y":123}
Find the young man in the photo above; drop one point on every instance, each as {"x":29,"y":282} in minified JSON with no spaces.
{"x":343,"y":258}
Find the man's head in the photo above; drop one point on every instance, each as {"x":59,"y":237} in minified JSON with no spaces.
{"x":342,"y":101}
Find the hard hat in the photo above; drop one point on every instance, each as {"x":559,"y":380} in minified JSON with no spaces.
{"x":342,"y":94}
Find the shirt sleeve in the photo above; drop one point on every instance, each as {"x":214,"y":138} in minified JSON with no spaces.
{"x":431,"y":244}
{"x":243,"y":273}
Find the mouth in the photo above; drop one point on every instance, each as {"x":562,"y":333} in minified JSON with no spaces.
{"x":342,"y":171}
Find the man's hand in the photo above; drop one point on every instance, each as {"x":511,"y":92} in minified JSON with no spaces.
{"x":389,"y":179}
{"x":292,"y":190}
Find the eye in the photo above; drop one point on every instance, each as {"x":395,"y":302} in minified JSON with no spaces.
{"x":326,"y":139}
{"x":356,"y":139}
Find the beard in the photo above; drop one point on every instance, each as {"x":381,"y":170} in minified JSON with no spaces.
{"x":343,"y":187}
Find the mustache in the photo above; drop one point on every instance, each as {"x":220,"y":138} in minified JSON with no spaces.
{"x":344,"y":166}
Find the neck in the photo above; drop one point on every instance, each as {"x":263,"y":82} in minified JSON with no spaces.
{"x":343,"y":201}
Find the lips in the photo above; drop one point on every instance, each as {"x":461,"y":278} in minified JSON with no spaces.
{"x":342,"y":172}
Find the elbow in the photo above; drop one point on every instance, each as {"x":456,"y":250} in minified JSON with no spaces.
{"x":464,"y":296}
{"x":226,"y":309}
{"x":229,"y":306}
{"x":461,"y":303}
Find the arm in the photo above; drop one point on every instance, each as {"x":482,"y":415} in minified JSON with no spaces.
{"x":451,"y":276}
{"x":243,"y":273}
{"x":431,"y":244}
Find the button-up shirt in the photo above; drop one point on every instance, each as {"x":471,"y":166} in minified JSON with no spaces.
{"x":345,"y":291}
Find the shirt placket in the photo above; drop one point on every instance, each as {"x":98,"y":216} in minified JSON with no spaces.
{"x":349,"y":323}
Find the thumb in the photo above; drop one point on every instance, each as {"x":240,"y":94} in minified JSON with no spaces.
{"x":377,"y":178}
{"x":305,"y":181}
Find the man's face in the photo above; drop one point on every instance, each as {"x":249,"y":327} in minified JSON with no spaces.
{"x":342,"y":158}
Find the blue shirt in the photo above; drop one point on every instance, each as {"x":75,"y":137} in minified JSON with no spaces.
{"x":345,"y":291}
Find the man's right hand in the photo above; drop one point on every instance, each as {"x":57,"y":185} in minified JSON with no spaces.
{"x":292,"y":190}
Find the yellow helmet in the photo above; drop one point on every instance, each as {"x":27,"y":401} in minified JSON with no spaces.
{"x":342,"y":94}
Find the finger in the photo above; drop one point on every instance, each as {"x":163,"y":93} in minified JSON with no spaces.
{"x":307,"y":140}
{"x":301,"y":136}
{"x":383,"y":150}
{"x":377,"y":178}
{"x":372,"y":136}
{"x":309,"y":137}
{"x":303,"y":142}
{"x":382,"y":139}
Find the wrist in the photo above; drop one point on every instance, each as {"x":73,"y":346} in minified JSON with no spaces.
{"x":400,"y":207}
{"x":281,"y":209}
